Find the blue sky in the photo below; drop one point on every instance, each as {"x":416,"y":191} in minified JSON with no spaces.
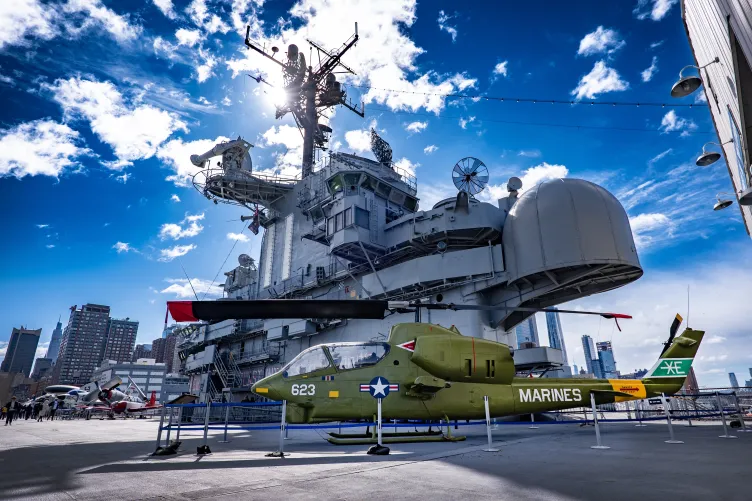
{"x":103,"y":103}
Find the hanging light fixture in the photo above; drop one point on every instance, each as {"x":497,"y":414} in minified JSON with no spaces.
{"x":687,"y":85}
{"x":722,"y":203}
{"x":709,"y":157}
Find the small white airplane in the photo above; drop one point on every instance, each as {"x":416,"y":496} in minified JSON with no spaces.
{"x":132,"y":404}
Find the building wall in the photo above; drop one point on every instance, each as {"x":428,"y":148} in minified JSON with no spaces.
{"x":723,"y":29}
{"x":556,"y":334}
{"x":21,"y":351}
{"x":53,"y":349}
{"x":83,"y":344}
{"x":121,"y":338}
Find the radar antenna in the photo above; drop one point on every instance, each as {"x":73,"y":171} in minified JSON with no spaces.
{"x":381,"y":149}
{"x":470,"y":175}
{"x":310,"y":92}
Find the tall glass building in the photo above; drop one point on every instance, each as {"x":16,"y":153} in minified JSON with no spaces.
{"x":527,"y":332}
{"x":606,"y":359}
{"x":54,"y":347}
{"x":588,"y":348}
{"x":556,"y":334}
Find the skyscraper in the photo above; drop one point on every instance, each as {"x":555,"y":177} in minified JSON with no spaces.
{"x":589,"y":350}
{"x":141,"y":351}
{"x":54,"y":348}
{"x":22,"y":348}
{"x":606,"y":359}
{"x":121,"y":338}
{"x":82,"y":345}
{"x":527,"y":332}
{"x":556,"y":334}
{"x":42,"y":367}
{"x":733,"y":380}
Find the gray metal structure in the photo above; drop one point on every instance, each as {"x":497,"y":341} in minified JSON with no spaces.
{"x":352,"y":228}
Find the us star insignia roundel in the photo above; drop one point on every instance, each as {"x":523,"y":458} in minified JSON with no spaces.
{"x":379,"y":387}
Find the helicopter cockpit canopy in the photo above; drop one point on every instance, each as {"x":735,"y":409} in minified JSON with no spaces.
{"x":344,"y":355}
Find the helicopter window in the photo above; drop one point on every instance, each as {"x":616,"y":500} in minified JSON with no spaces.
{"x":356,"y":355}
{"x":310,"y":360}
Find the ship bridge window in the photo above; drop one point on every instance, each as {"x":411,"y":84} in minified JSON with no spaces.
{"x":411,"y":204}
{"x":355,"y":355}
{"x":362,"y":218}
{"x":335,"y":184}
{"x":311,"y":360}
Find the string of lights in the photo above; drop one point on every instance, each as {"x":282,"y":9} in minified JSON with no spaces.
{"x":541,"y":124}
{"x":504,"y":99}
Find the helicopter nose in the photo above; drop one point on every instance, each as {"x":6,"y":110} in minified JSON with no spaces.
{"x":267,"y":388}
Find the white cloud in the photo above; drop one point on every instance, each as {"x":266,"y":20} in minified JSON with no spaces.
{"x":701,"y":97}
{"x":205,"y":70}
{"x":416,"y":127}
{"x":238,"y":236}
{"x":501,"y":68}
{"x":121,"y":247}
{"x":601,"y":79}
{"x":201,"y":17}
{"x":647,"y":227}
{"x":286,"y":163}
{"x":657,"y":44}
{"x":655,"y":9}
{"x":430,"y":194}
{"x":444,"y":26}
{"x":529,"y":153}
{"x":385,"y":57}
{"x":465,"y":121}
{"x":186,"y":37}
{"x":123,"y":178}
{"x":226,"y":101}
{"x":176,"y":155}
{"x":24,"y":20}
{"x":406,"y":165}
{"x":601,"y":41}
{"x":42,"y":226}
{"x":167,"y":255}
{"x":530,"y":178}
{"x":99,"y":16}
{"x":50,"y":246}
{"x":175,"y":198}
{"x":163,"y":48}
{"x":671,"y":122}
{"x":181,"y":288}
{"x":166,"y":7}
{"x":715,"y":339}
{"x":660,"y":156}
{"x":178,"y":231}
{"x":358,"y":140}
{"x":430,"y":149}
{"x":134,"y":132}
{"x":648,"y":73}
{"x":42,"y":147}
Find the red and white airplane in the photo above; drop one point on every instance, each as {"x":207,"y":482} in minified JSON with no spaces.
{"x":131,"y":404}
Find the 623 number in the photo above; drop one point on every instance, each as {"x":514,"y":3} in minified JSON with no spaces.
{"x":304,"y":389}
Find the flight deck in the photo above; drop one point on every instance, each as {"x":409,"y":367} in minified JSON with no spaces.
{"x":95,"y":459}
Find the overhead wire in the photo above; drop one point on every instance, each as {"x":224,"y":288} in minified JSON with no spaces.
{"x":542,"y":124}
{"x":507,"y":99}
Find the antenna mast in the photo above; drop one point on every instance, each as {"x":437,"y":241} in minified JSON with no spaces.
{"x":310,"y":92}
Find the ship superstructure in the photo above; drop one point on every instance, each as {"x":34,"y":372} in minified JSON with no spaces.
{"x":353,"y":228}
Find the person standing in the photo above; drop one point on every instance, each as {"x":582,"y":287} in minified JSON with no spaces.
{"x":38,"y":407}
{"x":53,"y":409}
{"x":13,"y":407}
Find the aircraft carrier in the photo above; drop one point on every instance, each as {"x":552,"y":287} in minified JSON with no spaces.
{"x":352,"y":227}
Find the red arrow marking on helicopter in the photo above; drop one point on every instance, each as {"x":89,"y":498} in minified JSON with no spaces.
{"x":409,"y":346}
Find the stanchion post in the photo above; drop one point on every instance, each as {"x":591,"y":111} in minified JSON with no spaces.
{"x":597,"y":428}
{"x":204,"y":449}
{"x":672,"y":440}
{"x":488,"y":426}
{"x":740,"y":413}
{"x":378,"y":424}
{"x":638,"y":413}
{"x":532,"y":422}
{"x":283,"y":428}
{"x":159,"y":432}
{"x":227,"y":419}
{"x":169,"y":427}
{"x":180,"y":420}
{"x":723,"y":417}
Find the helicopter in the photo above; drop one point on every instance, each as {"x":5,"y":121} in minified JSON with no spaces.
{"x":428,"y":371}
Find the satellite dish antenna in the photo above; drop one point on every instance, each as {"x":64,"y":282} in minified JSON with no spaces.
{"x":470,"y":175}
{"x":245,"y":260}
{"x":514,"y":184}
